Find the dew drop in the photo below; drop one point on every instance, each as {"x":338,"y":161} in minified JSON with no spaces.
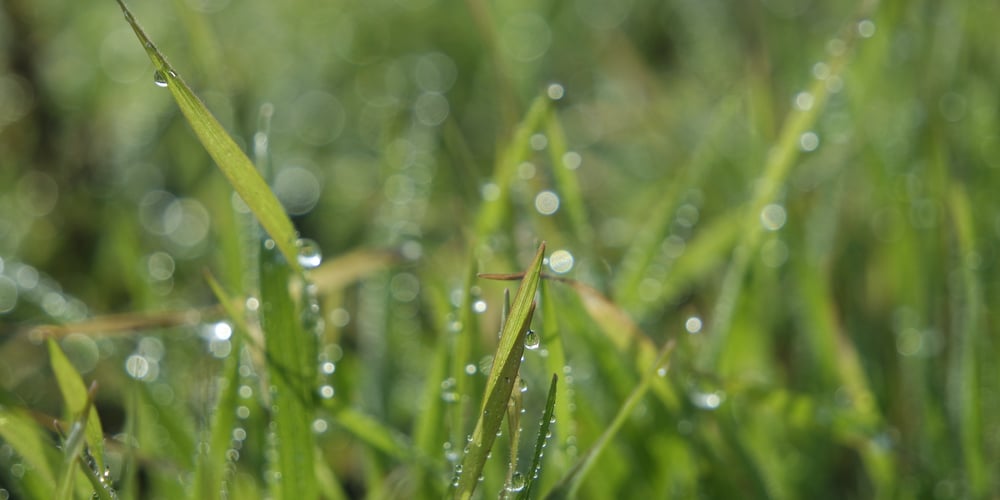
{"x":555,"y":91}
{"x":159,"y":79}
{"x":310,"y":256}
{"x":532,"y":340}
{"x":517,"y":483}
{"x":522,"y":385}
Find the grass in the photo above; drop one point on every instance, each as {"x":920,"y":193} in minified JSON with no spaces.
{"x":766,"y":271}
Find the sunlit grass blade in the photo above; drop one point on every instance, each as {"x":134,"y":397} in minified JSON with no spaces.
{"x":231,"y":160}
{"x":291,"y":369}
{"x":569,"y":485}
{"x":75,"y":395}
{"x":506,"y":363}
{"x":543,"y":436}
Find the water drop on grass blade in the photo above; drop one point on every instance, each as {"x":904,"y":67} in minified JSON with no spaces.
{"x":517,"y":483}
{"x":532,"y":340}
{"x":310,"y":256}
{"x":159,"y":79}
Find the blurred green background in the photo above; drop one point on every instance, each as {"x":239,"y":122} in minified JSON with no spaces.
{"x":799,"y":192}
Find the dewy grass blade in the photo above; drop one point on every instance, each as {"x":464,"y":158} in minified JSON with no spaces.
{"x":570,"y":483}
{"x":503,"y":374}
{"x":291,"y":366}
{"x":211,"y":466}
{"x":543,"y":435}
{"x":75,"y":394}
{"x":75,"y":443}
{"x":232,"y":161}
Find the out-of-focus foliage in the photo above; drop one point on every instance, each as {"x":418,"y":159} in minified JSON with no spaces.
{"x":798,"y":194}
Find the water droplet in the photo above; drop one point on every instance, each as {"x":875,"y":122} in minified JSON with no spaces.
{"x":522,"y":385}
{"x":310,"y":256}
{"x":517,"y":483}
{"x":320,"y":426}
{"x":159,"y":79}
{"x":693,"y":324}
{"x":804,"y":101}
{"x":470,"y":369}
{"x":538,"y":142}
{"x":808,"y":141}
{"x":547,"y":202}
{"x":773,"y":217}
{"x":556,"y":91}
{"x":866,"y":28}
{"x":561,"y":261}
{"x":707,"y":400}
{"x":479,"y":306}
{"x":532,"y":340}
{"x":326,"y":391}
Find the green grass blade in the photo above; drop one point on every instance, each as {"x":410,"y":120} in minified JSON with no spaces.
{"x":494,"y":211}
{"x":75,"y":395}
{"x":569,"y":485}
{"x":291,"y":368}
{"x":231,"y":160}
{"x":373,"y":432}
{"x":777,"y":167}
{"x":543,"y":435}
{"x":966,"y":369}
{"x":555,"y":342}
{"x":506,"y":363}
{"x":210,"y":467}
{"x":18,"y":430}
{"x":566,"y":180}
{"x":74,"y":445}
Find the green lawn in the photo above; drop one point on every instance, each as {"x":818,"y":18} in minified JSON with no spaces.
{"x":429,"y":249}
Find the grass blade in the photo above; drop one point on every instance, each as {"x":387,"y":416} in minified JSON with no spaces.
{"x":21,"y":432}
{"x":74,"y":445}
{"x":291,"y":367}
{"x":503,"y":375}
{"x":75,"y":395}
{"x":232,"y":161}
{"x":210,"y":470}
{"x":570,"y":483}
{"x":965,"y":370}
{"x":543,"y":436}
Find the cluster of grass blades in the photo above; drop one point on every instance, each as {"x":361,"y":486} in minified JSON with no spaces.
{"x":715,"y":352}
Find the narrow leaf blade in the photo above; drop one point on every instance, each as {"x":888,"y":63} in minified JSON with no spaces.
{"x":232,"y":161}
{"x":503,"y":375}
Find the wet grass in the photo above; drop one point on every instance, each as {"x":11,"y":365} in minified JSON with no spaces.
{"x":766,"y":272}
